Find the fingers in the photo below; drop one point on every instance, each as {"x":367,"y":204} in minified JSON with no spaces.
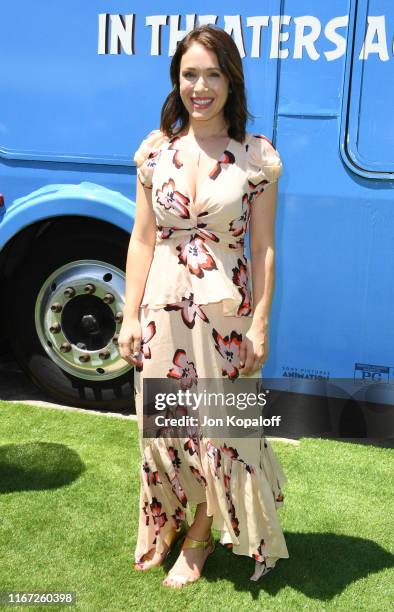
{"x":242,"y":354}
{"x":247,"y":358}
{"x":125,"y":353}
{"x":136,"y":346}
{"x":130,"y":349}
{"x":252,"y":362}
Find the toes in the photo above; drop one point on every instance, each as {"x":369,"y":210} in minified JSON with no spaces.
{"x":141,"y":566}
{"x":177,"y":581}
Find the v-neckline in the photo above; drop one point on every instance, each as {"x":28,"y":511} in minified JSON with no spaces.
{"x":172,"y":145}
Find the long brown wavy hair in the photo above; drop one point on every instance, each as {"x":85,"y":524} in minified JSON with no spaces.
{"x":235,"y":110}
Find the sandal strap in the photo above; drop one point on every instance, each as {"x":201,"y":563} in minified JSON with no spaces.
{"x":174,"y":535}
{"x":192,"y":543}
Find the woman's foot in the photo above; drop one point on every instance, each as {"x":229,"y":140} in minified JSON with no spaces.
{"x":150,"y":559}
{"x":189,"y":565}
{"x":153,"y":558}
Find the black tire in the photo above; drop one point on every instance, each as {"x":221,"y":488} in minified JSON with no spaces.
{"x":65,"y":242}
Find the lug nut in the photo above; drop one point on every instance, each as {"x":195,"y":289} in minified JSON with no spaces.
{"x":84,"y":358}
{"x":90,"y":288}
{"x":108,"y":298}
{"x":69,"y":292}
{"x":55,"y":328}
{"x":65,"y":347}
{"x":119,"y":317}
{"x":56,"y":307}
{"x":104,"y":354}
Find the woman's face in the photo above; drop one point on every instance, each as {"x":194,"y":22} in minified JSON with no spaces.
{"x":203,"y":86}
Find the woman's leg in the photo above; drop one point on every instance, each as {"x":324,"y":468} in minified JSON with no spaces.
{"x":191,"y":561}
{"x":202,"y":523}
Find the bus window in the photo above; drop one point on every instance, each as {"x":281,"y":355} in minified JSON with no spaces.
{"x":369,"y":131}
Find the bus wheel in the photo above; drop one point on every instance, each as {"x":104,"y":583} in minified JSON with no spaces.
{"x":67,"y":310}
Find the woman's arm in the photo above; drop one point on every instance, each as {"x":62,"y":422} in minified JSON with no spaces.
{"x":140,"y":251}
{"x":139,"y":259}
{"x":262,"y":254}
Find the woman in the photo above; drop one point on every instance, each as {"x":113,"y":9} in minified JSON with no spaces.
{"x":190,"y":313}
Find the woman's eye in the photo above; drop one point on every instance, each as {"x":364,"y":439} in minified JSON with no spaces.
{"x":190,"y":74}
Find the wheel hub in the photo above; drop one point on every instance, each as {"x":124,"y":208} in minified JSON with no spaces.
{"x":78,"y":315}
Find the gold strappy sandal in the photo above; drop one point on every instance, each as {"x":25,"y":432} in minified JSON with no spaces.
{"x":191,"y":543}
{"x":171,"y":538}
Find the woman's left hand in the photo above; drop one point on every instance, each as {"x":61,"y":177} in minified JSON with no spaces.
{"x":254,"y":349}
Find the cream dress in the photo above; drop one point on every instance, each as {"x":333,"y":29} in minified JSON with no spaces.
{"x":196,"y":308}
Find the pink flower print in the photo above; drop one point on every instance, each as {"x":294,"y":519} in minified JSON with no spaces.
{"x":151,"y":160}
{"x":255,"y":190}
{"x":194,"y":255}
{"x":176,"y":159}
{"x":145,"y":353}
{"x":184,"y":370}
{"x":154,"y":478}
{"x":177,"y":490}
{"x":151,"y":477}
{"x":199,"y":477}
{"x":173,"y":200}
{"x":229,"y":451}
{"x":239,"y":226}
{"x":191,"y":446}
{"x":145,"y":511}
{"x":264,"y":138}
{"x":226,"y":158}
{"x":229,"y":348}
{"x":159,"y":517}
{"x":205,"y":233}
{"x":260,"y":555}
{"x":241,"y":280}
{"x":175,"y":460}
{"x":230,"y":506}
{"x":165,"y":232}
{"x":179,"y":411}
{"x":237,"y":244}
{"x":177,"y":517}
{"x":215,"y":455}
{"x":234,"y":521}
{"x":189,"y":311}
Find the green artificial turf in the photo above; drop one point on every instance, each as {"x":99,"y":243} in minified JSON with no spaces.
{"x":69,"y":507}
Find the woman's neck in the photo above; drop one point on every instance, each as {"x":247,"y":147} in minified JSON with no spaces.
{"x":205,"y":130}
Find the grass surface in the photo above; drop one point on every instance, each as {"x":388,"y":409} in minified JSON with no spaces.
{"x":69,"y":506}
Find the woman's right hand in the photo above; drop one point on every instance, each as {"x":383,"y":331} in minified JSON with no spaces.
{"x":129,"y":340}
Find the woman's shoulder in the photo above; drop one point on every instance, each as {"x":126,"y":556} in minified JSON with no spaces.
{"x":264,"y":162}
{"x":151,"y":143}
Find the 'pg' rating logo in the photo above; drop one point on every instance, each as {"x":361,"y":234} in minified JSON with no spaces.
{"x":369,"y":373}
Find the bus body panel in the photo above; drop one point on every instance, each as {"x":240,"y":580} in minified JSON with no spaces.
{"x":319,"y":81}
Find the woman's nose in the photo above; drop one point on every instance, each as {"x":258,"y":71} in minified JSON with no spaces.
{"x":201,"y":84}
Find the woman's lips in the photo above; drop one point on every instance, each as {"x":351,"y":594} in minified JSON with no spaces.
{"x":201,"y":102}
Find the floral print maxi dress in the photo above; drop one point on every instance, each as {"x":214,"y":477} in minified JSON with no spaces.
{"x":194,"y":313}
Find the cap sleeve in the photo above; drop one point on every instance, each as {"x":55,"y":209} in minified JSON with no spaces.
{"x":146,"y":156}
{"x":264,"y":161}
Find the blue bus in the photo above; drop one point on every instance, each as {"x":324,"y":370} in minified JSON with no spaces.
{"x":81,"y":87}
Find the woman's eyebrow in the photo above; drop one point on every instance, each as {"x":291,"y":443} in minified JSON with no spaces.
{"x":209,"y":68}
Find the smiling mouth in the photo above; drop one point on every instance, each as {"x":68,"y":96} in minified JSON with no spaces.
{"x":201,"y":102}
